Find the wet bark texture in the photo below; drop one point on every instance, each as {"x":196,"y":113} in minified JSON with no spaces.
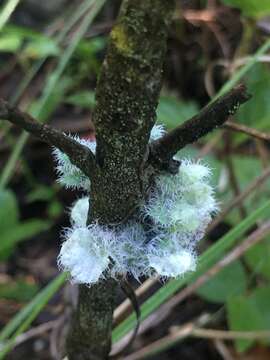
{"x":127,"y":96}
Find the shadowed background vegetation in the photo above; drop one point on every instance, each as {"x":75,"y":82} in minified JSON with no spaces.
{"x":50,"y":57}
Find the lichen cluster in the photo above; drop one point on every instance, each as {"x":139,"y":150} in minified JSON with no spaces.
{"x":160,"y":242}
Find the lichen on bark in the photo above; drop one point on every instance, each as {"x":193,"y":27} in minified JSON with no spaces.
{"x":126,"y":100}
{"x":127,"y":96}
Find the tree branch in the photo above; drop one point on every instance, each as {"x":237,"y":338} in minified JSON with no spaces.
{"x":90,"y":338}
{"x":265,"y":136}
{"x":208,"y":119}
{"x":126,"y":98}
{"x":79,"y":155}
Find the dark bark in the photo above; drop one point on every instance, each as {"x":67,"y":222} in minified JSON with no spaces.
{"x":127,"y":95}
{"x":92,"y":322}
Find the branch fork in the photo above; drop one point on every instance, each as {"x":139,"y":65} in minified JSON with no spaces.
{"x":162,"y":150}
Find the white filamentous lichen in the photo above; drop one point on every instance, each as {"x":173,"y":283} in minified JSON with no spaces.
{"x":157,"y":132}
{"x":85,"y":253}
{"x":79,"y":212}
{"x":177,"y":212}
{"x":71,"y":176}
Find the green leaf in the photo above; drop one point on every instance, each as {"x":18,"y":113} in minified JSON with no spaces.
{"x":54,"y":209}
{"x":18,"y":233}
{"x":256,"y":112}
{"x":254,"y":8}
{"x":23,"y":32}
{"x":54,"y":98}
{"x":42,"y":47}
{"x":39,"y":44}
{"x":246,"y":169}
{"x":250,"y":313}
{"x":20,"y":290}
{"x":89,"y":48}
{"x":229,"y":282}
{"x":259,"y":299}
{"x":9,"y":212}
{"x":9,"y":43}
{"x":84,"y":99}
{"x":41,"y":193}
{"x":6,"y":11}
{"x":172,"y":112}
{"x":258,"y":258}
{"x":242,"y":316}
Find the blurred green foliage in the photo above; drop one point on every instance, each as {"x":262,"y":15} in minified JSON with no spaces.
{"x":230,"y":281}
{"x":249,"y":313}
{"x":12,"y":230}
{"x":20,"y":290}
{"x":28,"y":43}
{"x":253,"y":8}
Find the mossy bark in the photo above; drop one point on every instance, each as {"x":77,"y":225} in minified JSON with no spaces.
{"x":127,"y":96}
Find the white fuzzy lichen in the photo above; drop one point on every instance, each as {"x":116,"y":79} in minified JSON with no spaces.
{"x":177,"y":211}
{"x":85,"y":253}
{"x":71,"y":176}
{"x":172,"y":265}
{"x":79,"y":212}
{"x":183,"y":202}
{"x":157,"y":132}
{"x":129,"y":254}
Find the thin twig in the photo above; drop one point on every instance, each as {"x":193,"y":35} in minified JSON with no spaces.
{"x":166,"y":342}
{"x":223,"y":350}
{"x":238,"y":199}
{"x":190,"y":330}
{"x":37,"y":331}
{"x":246,"y":130}
{"x":230,"y":335}
{"x":210,"y":145}
{"x":232,"y":175}
{"x":79,"y":155}
{"x":263,"y":153}
{"x":209,"y":118}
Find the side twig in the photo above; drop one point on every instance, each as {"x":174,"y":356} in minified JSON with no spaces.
{"x":78,"y":154}
{"x":209,"y":118}
{"x":247,"y":130}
